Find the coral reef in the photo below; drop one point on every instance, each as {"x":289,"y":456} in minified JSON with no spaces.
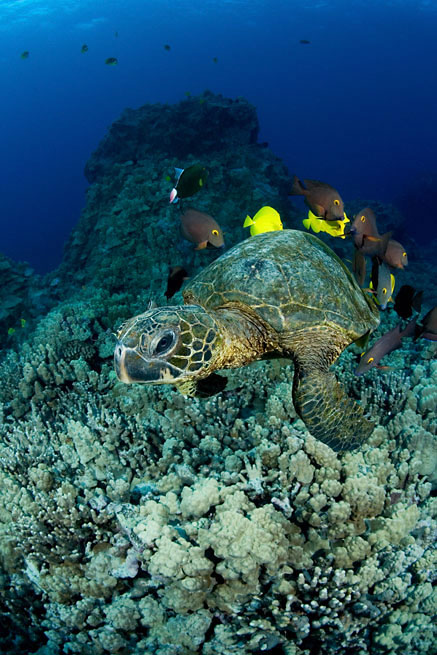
{"x":135,"y":520}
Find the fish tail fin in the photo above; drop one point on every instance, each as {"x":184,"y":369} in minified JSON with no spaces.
{"x":297,"y":188}
{"x":248,"y":221}
{"x":306,"y":223}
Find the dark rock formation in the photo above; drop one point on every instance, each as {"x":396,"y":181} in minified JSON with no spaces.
{"x":129,"y":234}
{"x":197,"y":126}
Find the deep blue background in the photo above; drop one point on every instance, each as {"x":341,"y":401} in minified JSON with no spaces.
{"x":356,"y":107}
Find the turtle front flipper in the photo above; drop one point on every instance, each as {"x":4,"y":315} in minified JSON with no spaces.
{"x":326,"y":410}
{"x":203,"y":388}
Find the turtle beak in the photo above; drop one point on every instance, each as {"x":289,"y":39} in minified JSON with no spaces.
{"x":120,"y":353}
{"x":131,"y":367}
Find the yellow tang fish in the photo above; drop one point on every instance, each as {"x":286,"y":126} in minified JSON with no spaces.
{"x":266,"y":219}
{"x":317,"y":224}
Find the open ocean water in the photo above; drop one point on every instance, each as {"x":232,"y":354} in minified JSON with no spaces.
{"x":354,"y":107}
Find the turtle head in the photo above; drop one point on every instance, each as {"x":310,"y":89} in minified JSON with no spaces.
{"x":167,"y":345}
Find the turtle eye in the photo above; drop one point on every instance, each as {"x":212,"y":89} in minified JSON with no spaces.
{"x":336,"y":202}
{"x":215,"y":233}
{"x":165,"y":343}
{"x":384,"y":291}
{"x":363,"y":219}
{"x":370,"y":360}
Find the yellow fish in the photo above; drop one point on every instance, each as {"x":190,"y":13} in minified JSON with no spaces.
{"x":266,"y":219}
{"x":334,"y":228}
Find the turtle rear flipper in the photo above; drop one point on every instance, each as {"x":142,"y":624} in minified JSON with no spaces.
{"x":327,"y":411}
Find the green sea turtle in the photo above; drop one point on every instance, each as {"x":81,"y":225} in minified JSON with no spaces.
{"x":277,"y":294}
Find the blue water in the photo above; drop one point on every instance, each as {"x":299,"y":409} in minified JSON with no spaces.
{"x":355,"y":107}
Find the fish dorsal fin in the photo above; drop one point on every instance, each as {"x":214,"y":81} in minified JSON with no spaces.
{"x":311,"y":184}
{"x":178,"y":172}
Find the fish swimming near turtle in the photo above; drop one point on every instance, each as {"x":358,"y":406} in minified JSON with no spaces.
{"x":277,"y":294}
{"x":395,"y":254}
{"x":333,"y":228}
{"x":323,"y":200}
{"x":407,"y":301}
{"x":188,"y":182}
{"x":363,"y":225}
{"x":176,"y":277}
{"x":382,"y":283}
{"x":389,"y":341}
{"x":201,"y":229}
{"x":266,"y":219}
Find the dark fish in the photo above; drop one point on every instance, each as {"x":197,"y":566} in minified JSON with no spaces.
{"x":366,"y":236}
{"x":176,"y":277}
{"x":116,"y":35}
{"x":215,"y":60}
{"x":201,"y":229}
{"x":84,"y":48}
{"x":111,"y":61}
{"x":364,"y":224}
{"x":25,"y":54}
{"x":407,"y":299}
{"x":167,"y":47}
{"x":384,"y":345}
{"x":375,"y":246}
{"x":359,"y":267}
{"x":395,"y":255}
{"x":382,"y":283}
{"x":188,"y":181}
{"x":323,"y":200}
{"x":428,"y":328}
{"x":304,"y":41}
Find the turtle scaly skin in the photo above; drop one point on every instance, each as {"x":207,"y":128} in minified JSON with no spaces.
{"x":276,"y":294}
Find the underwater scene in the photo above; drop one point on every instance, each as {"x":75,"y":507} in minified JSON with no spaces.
{"x":218,"y":320}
